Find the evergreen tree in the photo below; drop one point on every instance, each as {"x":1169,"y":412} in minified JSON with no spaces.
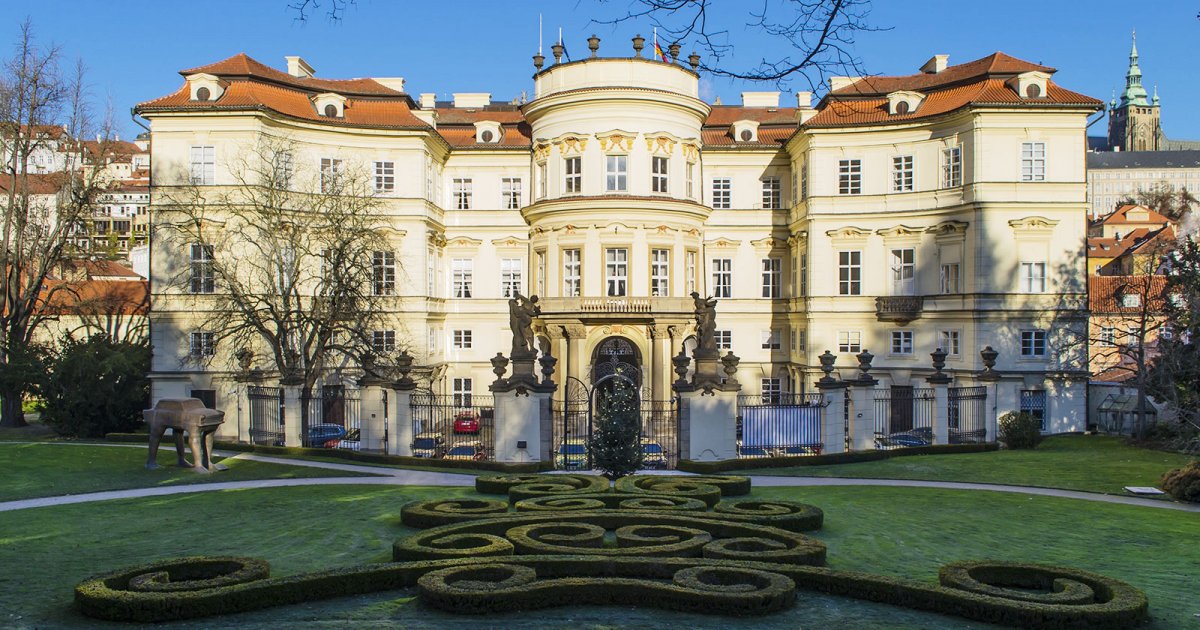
{"x":616,"y":445}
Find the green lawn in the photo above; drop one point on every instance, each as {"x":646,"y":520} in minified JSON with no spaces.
{"x":901,"y":531}
{"x":52,"y":469}
{"x":1092,"y":463}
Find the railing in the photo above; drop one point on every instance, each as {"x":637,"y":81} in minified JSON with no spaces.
{"x":618,"y":305}
{"x":660,"y":433}
{"x":780,"y":424}
{"x":460,"y":426}
{"x":266,"y":415}
{"x":898,"y":308}
{"x":332,"y":419}
{"x":903,"y":417}
{"x":965,"y":415}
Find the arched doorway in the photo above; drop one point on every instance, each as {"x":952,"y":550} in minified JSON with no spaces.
{"x":616,"y":356}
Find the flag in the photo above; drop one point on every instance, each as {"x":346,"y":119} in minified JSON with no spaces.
{"x":658,"y":51}
{"x":564,"y":46}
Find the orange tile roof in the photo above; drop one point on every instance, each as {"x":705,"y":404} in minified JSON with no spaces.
{"x":767,"y":137}
{"x":995,"y":63}
{"x":1121,"y":216}
{"x":729,"y":114}
{"x":34,"y":183}
{"x":462,"y":136}
{"x":96,"y":297}
{"x":1109,"y":247}
{"x":504,"y":114}
{"x":1104,"y":293}
{"x":242,"y":65}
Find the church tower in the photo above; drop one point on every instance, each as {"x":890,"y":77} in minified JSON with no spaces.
{"x":1133,"y":122}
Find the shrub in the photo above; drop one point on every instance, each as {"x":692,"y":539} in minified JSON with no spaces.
{"x":96,"y":386}
{"x":1020,"y":430}
{"x":615,"y":445}
{"x":1184,"y":483}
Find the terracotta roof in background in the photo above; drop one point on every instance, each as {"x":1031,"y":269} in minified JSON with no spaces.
{"x":767,"y":137}
{"x":995,"y":63}
{"x":97,"y":297}
{"x":464,"y":136}
{"x":242,"y":65}
{"x":97,"y":269}
{"x":503,"y":114}
{"x":1109,"y":247}
{"x":34,"y":183}
{"x":1104,"y":293}
{"x":729,"y":114}
{"x":1120,"y":216}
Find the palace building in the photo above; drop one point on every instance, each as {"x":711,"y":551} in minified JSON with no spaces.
{"x":901,"y":214}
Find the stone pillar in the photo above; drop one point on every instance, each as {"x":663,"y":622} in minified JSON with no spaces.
{"x":940,"y":382}
{"x":991,"y":379}
{"x":292,"y":429}
{"x":833,"y":425}
{"x":708,"y":408}
{"x":862,"y":405}
{"x":400,"y":431}
{"x":372,"y":423}
{"x":522,"y":405}
{"x":244,"y":383}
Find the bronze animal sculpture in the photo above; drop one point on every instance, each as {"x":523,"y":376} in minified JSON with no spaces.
{"x":184,"y":415}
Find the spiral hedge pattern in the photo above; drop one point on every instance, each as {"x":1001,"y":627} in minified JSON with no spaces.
{"x":671,"y":542}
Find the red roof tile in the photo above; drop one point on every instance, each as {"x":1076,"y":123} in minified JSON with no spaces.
{"x":463,"y":136}
{"x":1104,"y":293}
{"x":767,"y":137}
{"x":34,"y":183}
{"x":97,"y":297}
{"x":242,"y":65}
{"x":1120,"y":216}
{"x":996,"y":63}
{"x":729,"y":114}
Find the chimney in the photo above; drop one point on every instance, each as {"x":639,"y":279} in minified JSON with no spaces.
{"x":472,"y":100}
{"x":837,"y":83}
{"x":428,"y":100}
{"x":936,"y":64}
{"x":391,"y":83}
{"x":760,"y":99}
{"x":297,"y":67}
{"x":804,"y":108}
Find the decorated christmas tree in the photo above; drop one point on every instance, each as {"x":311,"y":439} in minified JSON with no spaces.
{"x":615,"y":446}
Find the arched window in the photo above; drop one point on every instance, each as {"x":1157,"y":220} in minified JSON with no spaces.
{"x":486,"y":136}
{"x":1033,"y":90}
{"x":746,"y":135}
{"x":202,"y":94}
{"x":331,"y":110}
{"x":902,"y":107}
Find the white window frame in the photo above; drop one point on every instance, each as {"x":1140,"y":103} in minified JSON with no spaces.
{"x":902,"y":342}
{"x":1033,"y":161}
{"x":616,"y":271}
{"x":772,"y":277}
{"x":771,"y":390}
{"x":950,"y":341}
{"x":511,"y":191}
{"x":1033,"y":344}
{"x":772,"y":193}
{"x":616,"y":173}
{"x":385,"y":176}
{"x":512,"y":277}
{"x":722,"y":193}
{"x":723,"y":339}
{"x":331,"y":170}
{"x":540,"y":257}
{"x":902,"y":173}
{"x":542,"y":180}
{"x":462,"y":339}
{"x":690,"y":180}
{"x":849,"y":341}
{"x":772,"y":339}
{"x":383,"y":341}
{"x":690,"y":259}
{"x":722,"y":276}
{"x":203,"y":273}
{"x":572,"y":272}
{"x":383,"y":272}
{"x":1033,"y":276}
{"x":462,"y":192}
{"x":850,"y":272}
{"x":850,"y":177}
{"x":572,"y":175}
{"x":904,"y":271}
{"x":462,"y":389}
{"x":660,"y":272}
{"x":952,"y":167}
{"x":1108,"y":336}
{"x":203,"y":165}
{"x":660,"y":170}
{"x":202,"y":344}
{"x":1131,"y":300}
{"x":951,"y":278}
{"x":462,"y":278}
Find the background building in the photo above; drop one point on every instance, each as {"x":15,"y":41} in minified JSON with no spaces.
{"x":1116,"y":177}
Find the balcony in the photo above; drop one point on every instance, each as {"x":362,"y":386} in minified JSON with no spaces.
{"x":584,"y":307}
{"x":898,"y":308}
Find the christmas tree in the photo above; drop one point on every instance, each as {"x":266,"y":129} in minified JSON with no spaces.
{"x":616,"y":445}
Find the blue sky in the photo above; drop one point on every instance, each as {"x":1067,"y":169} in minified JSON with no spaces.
{"x":134,"y":51}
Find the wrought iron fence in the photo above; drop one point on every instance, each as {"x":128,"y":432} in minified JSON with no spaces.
{"x":780,"y":424}
{"x":331,"y":419}
{"x":965,"y":415}
{"x":266,"y":415}
{"x":572,"y":432}
{"x":460,"y":426}
{"x":903,"y":417}
{"x":660,"y":433}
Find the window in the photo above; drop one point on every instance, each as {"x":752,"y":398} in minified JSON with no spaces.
{"x":902,"y":342}
{"x":203,"y":278}
{"x":573,"y":180}
{"x":948,"y":341}
{"x":461,"y":392}
{"x":1033,"y":161}
{"x":950,"y":279}
{"x":722,"y":275}
{"x":331,"y":110}
{"x":660,"y":272}
{"x":541,"y":175}
{"x":511,"y":279}
{"x":331,"y":168}
{"x":1131,"y":300}
{"x":770,"y":340}
{"x":1033,"y":277}
{"x":202,"y":94}
{"x":461,"y":339}
{"x":658,"y":174}
{"x":461,"y":189}
{"x":432,"y":340}
{"x":383,"y":341}
{"x":1108,"y":336}
{"x":1033,"y":343}
{"x":690,"y":180}
{"x":849,"y":177}
{"x":430,"y":272}
{"x":616,"y":271}
{"x":902,"y":173}
{"x":571,"y":273}
{"x":1033,"y":402}
{"x":385,"y":177}
{"x":510,"y":190}
{"x":804,"y":181}
{"x":903,"y":271}
{"x":281,"y":167}
{"x":795,"y":191}
{"x":616,"y":171}
{"x":690,"y":259}
{"x":724,"y":339}
{"x":849,"y":273}
{"x":951,"y":167}
{"x":722,"y":198}
{"x":850,"y":341}
{"x":772,"y":276}
{"x":462,"y":277}
{"x":430,"y":191}
{"x":772,"y":391}
{"x":804,"y":274}
{"x":202,"y":344}
{"x":383,"y":273}
{"x":772,"y":192}
{"x":541,"y":273}
{"x":204,"y":166}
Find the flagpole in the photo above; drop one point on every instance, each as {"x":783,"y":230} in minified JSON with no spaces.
{"x":539,"y":33}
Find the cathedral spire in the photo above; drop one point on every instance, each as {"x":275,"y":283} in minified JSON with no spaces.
{"x":1134,"y":93}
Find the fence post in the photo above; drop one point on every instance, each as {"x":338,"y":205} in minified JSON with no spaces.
{"x":834,"y":422}
{"x":707,"y":407}
{"x":862,"y":401}
{"x":243,"y":409}
{"x":400,"y":436}
{"x":370,"y":412}
{"x":940,"y":382}
{"x":991,"y":405}
{"x":292,"y":431}
{"x":522,"y":408}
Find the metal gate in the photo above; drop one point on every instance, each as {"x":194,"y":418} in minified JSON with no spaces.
{"x":266,"y":415}
{"x":459,"y":426}
{"x":574,"y":422}
{"x":780,"y":425}
{"x":903,"y":417}
{"x":965,"y":415}
{"x":332,"y":418}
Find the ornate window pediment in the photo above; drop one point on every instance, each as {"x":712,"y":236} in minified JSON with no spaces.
{"x":900,"y":231}
{"x":722,"y":243}
{"x":691,"y":150}
{"x":1032,"y":224}
{"x":541,"y":150}
{"x":571,"y":143}
{"x":770,"y":243}
{"x":661,"y":142}
{"x":616,"y":141}
{"x":510,"y":241}
{"x":463,"y":241}
{"x":948,"y":228}
{"x":847,"y":233}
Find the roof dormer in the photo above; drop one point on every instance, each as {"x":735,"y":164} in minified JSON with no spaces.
{"x":745,"y":131}
{"x":1030,"y":84}
{"x":330,"y":105}
{"x":205,"y":87}
{"x":904,"y":102}
{"x":488,"y":132}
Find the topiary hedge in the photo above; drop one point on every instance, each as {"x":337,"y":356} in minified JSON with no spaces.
{"x":423,"y":514}
{"x":1184,"y":483}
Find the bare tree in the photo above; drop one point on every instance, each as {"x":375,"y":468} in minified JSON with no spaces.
{"x":334,"y":9}
{"x":816,"y":37}
{"x":1175,"y":375}
{"x":42,"y":112}
{"x":290,"y":263}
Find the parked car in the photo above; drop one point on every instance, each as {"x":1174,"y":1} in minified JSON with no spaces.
{"x":324,"y":435}
{"x":571,"y":455}
{"x":466,"y":422}
{"x":467,"y":451}
{"x":352,"y":441}
{"x":803,"y":449}
{"x":431,"y":445}
{"x":921,"y":436}
{"x":752,"y":451}
{"x":652,"y":454}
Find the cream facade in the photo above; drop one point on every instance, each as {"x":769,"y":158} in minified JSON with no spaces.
{"x":890,"y":217}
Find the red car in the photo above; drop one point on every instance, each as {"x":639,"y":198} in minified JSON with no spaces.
{"x":466,"y":422}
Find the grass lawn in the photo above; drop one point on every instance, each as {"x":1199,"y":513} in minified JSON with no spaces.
{"x":52,"y":469}
{"x":1092,"y":463}
{"x":901,"y":531}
